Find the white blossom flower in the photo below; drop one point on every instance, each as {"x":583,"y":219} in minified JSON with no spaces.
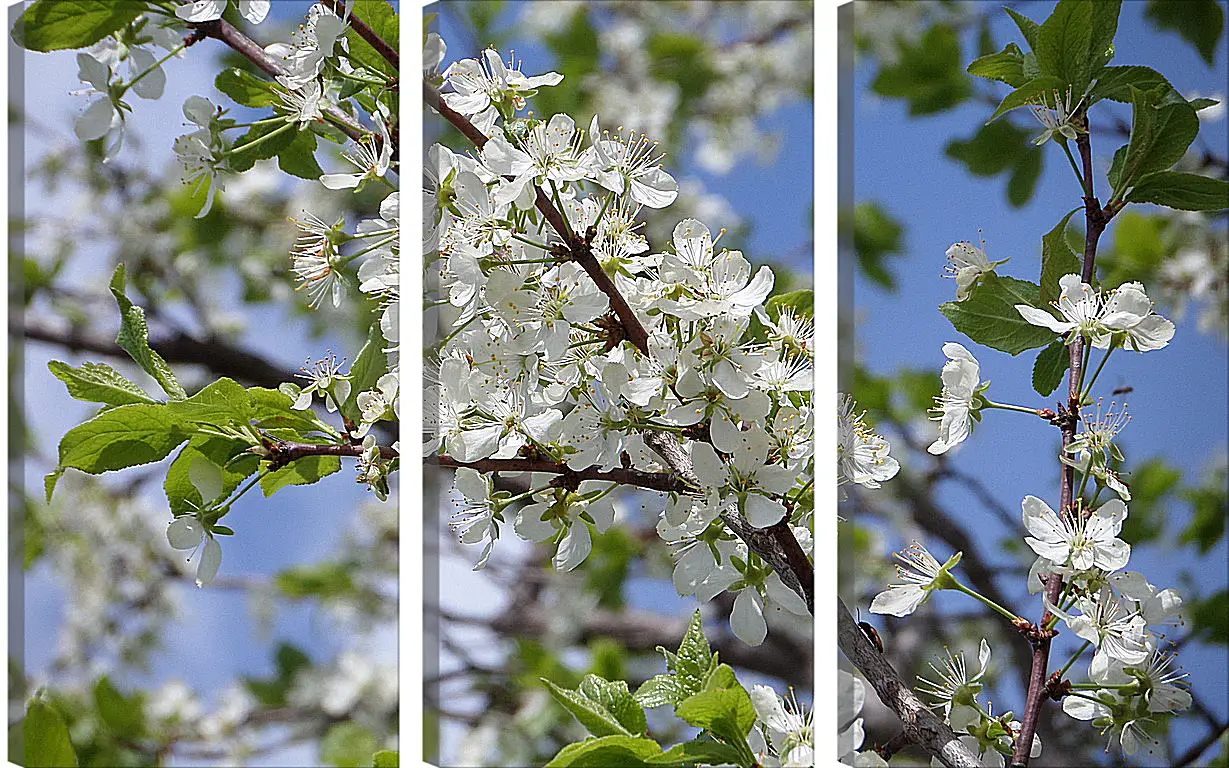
{"x":372,"y":155}
{"x":746,"y":476}
{"x":200,"y":11}
{"x":481,"y":89}
{"x":1080,"y":306}
{"x":566,"y":516}
{"x":104,"y":117}
{"x":789,"y":726}
{"x":861,"y":455}
{"x":921,"y":573}
{"x":956,"y":689}
{"x":476,"y":518}
{"x":633,"y":167}
{"x":1118,"y":632}
{"x":967,"y":263}
{"x":201,"y":167}
{"x":956,"y":407}
{"x":314,"y":261}
{"x":548,"y":152}
{"x":1058,"y":119}
{"x":325,"y":377}
{"x":311,"y":44}
{"x":1113,"y":714}
{"x":1077,"y":540}
{"x":188,"y":532}
{"x":1128,"y":317}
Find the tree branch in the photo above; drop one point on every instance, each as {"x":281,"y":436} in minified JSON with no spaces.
{"x":282,"y":452}
{"x":654,"y":481}
{"x":922,"y":726}
{"x":220,"y":29}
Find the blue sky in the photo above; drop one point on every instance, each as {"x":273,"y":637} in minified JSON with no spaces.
{"x":1178,"y":406}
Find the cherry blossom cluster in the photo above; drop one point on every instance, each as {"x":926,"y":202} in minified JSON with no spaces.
{"x":573,"y":351}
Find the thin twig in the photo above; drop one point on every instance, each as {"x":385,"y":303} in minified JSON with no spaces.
{"x":655,"y":481}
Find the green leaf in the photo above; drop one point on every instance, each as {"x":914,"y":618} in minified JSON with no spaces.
{"x":1038,"y":88}
{"x":348,"y":745}
{"x":54,"y":25}
{"x":50,"y":480}
{"x":271,"y":409}
{"x":1114,"y":83}
{"x":1105,"y":15}
{"x":382,"y":19}
{"x":1000,"y":147}
{"x":123,"y":715}
{"x":1006,"y":66}
{"x":245,"y":88}
{"x":46,"y":738}
{"x":125,"y":436}
{"x":662,"y":689}
{"x":1159,"y":137}
{"x":1048,"y":370}
{"x":605,"y":752}
{"x":876,"y":236}
{"x":1199,"y":22}
{"x":727,"y":712}
{"x":1210,"y":621}
{"x":98,"y":383}
{"x":1183,"y":191}
{"x":591,"y":706}
{"x":1063,"y":44}
{"x":134,"y":339}
{"x":242,"y":161}
{"x":1023,"y":181}
{"x":370,"y":364}
{"x":386,"y":758}
{"x":698,"y":751}
{"x":1057,"y":259}
{"x":298,"y":158}
{"x":182,"y":494}
{"x":1029,"y":28}
{"x":929,"y":73}
{"x":305,"y":471}
{"x":801,"y":302}
{"x":989,"y":316}
{"x":220,"y":403}
{"x":1202,"y":104}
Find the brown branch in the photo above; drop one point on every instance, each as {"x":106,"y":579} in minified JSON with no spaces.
{"x":654,"y":481}
{"x":367,"y":33}
{"x":283,"y":452}
{"x":220,"y":29}
{"x":922,"y":726}
{"x":1096,"y":220}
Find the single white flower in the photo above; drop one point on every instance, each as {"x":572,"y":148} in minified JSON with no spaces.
{"x":480,"y":89}
{"x":967,"y":263}
{"x":956,"y":407}
{"x":921,"y":573}
{"x":372,"y":155}
{"x":955,"y":689}
{"x":1118,"y":632}
{"x":314,"y":261}
{"x":188,"y":532}
{"x":861,"y":455}
{"x":476,"y":519}
{"x":633,"y":167}
{"x":1080,"y":541}
{"x":1080,"y":306}
{"x":1115,"y":715}
{"x":1058,"y":120}
{"x":1129,"y":318}
{"x":789,"y":726}
{"x":324,"y":376}
{"x":200,"y":11}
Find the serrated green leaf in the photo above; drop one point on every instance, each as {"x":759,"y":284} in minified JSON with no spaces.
{"x":1057,"y":259}
{"x":1063,"y":44}
{"x":1114,"y":83}
{"x":98,"y":383}
{"x":726,"y":712}
{"x":245,"y":88}
{"x":802,"y":302}
{"x":989,"y":316}
{"x":1200,"y":22}
{"x":305,"y":471}
{"x":1029,"y":28}
{"x":1042,"y":87}
{"x":382,"y":19}
{"x":605,"y":752}
{"x":298,"y":158}
{"x":593,"y":715}
{"x":45,"y":737}
{"x":1105,"y":15}
{"x":221,"y":402}
{"x":662,"y":689}
{"x":264,"y":145}
{"x":1181,"y":191}
{"x":1202,"y":104}
{"x":125,"y":436}
{"x":134,"y":339}
{"x":1006,"y":66}
{"x":698,"y":752}
{"x":1049,"y":367}
{"x":386,"y":758}
{"x":54,"y":25}
{"x":1160,"y":136}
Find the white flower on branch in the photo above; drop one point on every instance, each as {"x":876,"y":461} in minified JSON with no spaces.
{"x":200,"y":11}
{"x":482,"y":89}
{"x":861,"y":455}
{"x":632,"y":167}
{"x":1077,"y":540}
{"x":956,"y":407}
{"x":921,"y":573}
{"x":967,"y":263}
